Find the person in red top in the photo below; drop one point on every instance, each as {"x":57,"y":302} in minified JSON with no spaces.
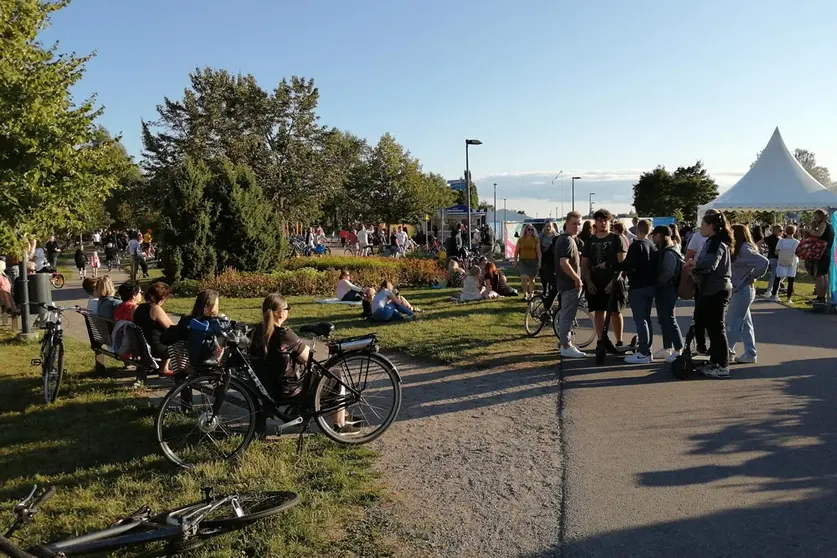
{"x":131,"y":296}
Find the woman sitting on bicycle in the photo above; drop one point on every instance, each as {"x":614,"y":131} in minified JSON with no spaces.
{"x":279,"y":356}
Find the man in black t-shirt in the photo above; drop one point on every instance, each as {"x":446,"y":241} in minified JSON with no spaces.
{"x":605,"y":289}
{"x":771,"y":241}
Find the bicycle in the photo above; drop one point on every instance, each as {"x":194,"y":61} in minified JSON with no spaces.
{"x":356,"y":250}
{"x":583,"y":331}
{"x":52,"y":350}
{"x":184,"y":528}
{"x":191,"y":425}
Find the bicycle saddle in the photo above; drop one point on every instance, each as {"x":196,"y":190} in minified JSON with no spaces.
{"x":322,"y":329}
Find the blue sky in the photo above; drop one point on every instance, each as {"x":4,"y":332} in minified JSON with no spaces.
{"x":604,"y":89}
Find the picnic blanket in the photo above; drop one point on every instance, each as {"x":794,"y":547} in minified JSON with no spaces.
{"x":338,"y":301}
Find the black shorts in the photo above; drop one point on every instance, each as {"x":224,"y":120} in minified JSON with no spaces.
{"x":604,"y":302}
{"x":823,"y":265}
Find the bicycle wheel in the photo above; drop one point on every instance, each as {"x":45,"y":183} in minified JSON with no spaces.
{"x":246,"y":509}
{"x":53,"y":372}
{"x":583,"y":331}
{"x":533,"y":321}
{"x":372,"y":411}
{"x":57,"y":281}
{"x":188,"y":432}
{"x":348,"y":252}
{"x":326,"y":251}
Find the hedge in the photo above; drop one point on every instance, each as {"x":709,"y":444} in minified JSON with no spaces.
{"x":310,"y":281}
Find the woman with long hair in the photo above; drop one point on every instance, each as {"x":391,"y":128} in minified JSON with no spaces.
{"x":668,"y":279}
{"x":821,"y":228}
{"x":527,"y":257}
{"x":586,"y":232}
{"x":496,"y":283}
{"x":711,"y":269}
{"x":747,"y":265}
{"x":675,"y":237}
{"x":155,"y":322}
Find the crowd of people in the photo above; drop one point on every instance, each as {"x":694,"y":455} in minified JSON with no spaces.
{"x":716,"y":264}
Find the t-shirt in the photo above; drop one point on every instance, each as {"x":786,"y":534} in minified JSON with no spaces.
{"x":696,"y":243}
{"x":125,"y":311}
{"x":363,"y":237}
{"x":771,"y":242}
{"x":277,"y":367}
{"x":381,"y":300}
{"x":601,"y":250}
{"x":97,"y":237}
{"x":566,"y":247}
{"x":528,"y":247}
{"x":134,"y":248}
{"x":401,"y":238}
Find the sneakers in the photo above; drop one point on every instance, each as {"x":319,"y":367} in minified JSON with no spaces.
{"x":572,"y":352}
{"x":347,"y":429}
{"x":746,"y":359}
{"x":662,"y":354}
{"x":715,"y":371}
{"x":638,"y":358}
{"x":772,"y":299}
{"x":672,"y":357}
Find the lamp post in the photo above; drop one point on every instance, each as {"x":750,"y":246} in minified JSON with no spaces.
{"x":573,"y":185}
{"x":591,"y":203}
{"x":468,"y":143}
{"x":495,"y":213}
{"x":557,"y":176}
{"x":505,"y":214}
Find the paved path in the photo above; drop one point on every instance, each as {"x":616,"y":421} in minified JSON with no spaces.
{"x":738,"y":467}
{"x":72,"y":294}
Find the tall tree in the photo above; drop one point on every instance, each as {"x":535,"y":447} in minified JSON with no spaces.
{"x":54,"y":163}
{"x":653,"y":193}
{"x":678,"y":194}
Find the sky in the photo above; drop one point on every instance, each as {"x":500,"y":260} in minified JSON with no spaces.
{"x":602,"y":89}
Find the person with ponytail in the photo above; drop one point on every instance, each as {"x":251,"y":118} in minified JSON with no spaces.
{"x":747,"y":266}
{"x":279,"y":357}
{"x":711,"y":269}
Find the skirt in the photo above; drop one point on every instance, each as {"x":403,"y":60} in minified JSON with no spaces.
{"x":529,"y":268}
{"x":786,"y":270}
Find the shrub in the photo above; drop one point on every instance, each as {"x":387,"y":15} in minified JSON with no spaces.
{"x":186,"y":288}
{"x":404,"y":271}
{"x":351,"y":263}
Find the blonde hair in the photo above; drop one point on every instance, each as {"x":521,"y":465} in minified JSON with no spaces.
{"x":272,"y":303}
{"x":475,"y":271}
{"x":104,"y":286}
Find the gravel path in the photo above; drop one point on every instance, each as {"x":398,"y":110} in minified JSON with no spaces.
{"x":474,"y":459}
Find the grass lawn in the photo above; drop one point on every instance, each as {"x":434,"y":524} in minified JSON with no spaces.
{"x":803,"y":291}
{"x":96,"y":444}
{"x":482,"y":334}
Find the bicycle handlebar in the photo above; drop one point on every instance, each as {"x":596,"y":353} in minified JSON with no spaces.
{"x":51,"y":308}
{"x":9,"y":549}
{"x":42,"y":499}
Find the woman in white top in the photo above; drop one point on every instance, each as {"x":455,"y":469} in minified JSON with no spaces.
{"x":472,"y":288}
{"x":788,"y":262}
{"x":348,"y":291}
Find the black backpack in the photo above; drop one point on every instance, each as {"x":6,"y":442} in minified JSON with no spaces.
{"x":676,"y":279}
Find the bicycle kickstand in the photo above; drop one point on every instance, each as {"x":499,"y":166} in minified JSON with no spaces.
{"x":300,"y":442}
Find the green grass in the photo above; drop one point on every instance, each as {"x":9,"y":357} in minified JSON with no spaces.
{"x":803,"y":291}
{"x":482,"y":334}
{"x":96,"y":444}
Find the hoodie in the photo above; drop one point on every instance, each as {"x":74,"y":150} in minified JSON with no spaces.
{"x":747,"y":266}
{"x":712,"y":267}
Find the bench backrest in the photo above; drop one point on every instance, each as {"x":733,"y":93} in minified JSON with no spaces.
{"x":100,"y":331}
{"x":179,"y":362}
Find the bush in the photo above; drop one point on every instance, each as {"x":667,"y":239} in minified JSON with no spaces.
{"x":352,"y":263}
{"x":404,"y":271}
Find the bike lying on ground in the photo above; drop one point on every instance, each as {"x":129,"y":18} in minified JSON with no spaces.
{"x":216,"y":414}
{"x":52,"y":350}
{"x":181,"y":529}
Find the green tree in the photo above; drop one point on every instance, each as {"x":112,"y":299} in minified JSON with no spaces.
{"x":462,"y":199}
{"x":660,"y":192}
{"x":654,"y":193}
{"x":54,"y":164}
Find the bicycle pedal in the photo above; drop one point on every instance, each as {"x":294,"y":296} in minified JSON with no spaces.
{"x":36,"y":362}
{"x":290,"y":424}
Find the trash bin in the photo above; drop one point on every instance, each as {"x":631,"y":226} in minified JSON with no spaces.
{"x":40,"y":290}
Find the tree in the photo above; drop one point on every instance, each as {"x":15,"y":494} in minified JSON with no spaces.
{"x":808,"y":160}
{"x":677,"y":194}
{"x":54,"y":163}
{"x":485,"y":206}
{"x":462,"y":198}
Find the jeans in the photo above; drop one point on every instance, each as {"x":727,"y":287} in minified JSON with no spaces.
{"x":641,"y":301}
{"x":666,"y":302}
{"x":709,"y":317}
{"x":771,"y":271}
{"x":566,"y":317}
{"x":391,"y":312}
{"x":740,"y":322}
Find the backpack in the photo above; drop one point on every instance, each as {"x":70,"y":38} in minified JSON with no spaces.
{"x":204,"y":345}
{"x":686,"y":284}
{"x":676,"y":279}
{"x":811,"y":249}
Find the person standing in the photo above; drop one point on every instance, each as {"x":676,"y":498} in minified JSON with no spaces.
{"x":640,"y":264}
{"x":401,"y":238}
{"x":135,"y":253}
{"x":693,"y":250}
{"x":822,"y":229}
{"x":747,"y":266}
{"x":712,"y":271}
{"x":668,"y":279}
{"x":97,"y":240}
{"x":567,"y":265}
{"x":770,"y":242}
{"x":527,"y":257}
{"x":81,"y":262}
{"x":547,"y":239}
{"x":605,"y":291}
{"x":363,"y":240}
{"x":788,"y":262}
{"x":52,"y":250}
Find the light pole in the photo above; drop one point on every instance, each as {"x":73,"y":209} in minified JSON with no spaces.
{"x":505,"y":214}
{"x":573,"y":184}
{"x":591,"y":204}
{"x":557,"y":176}
{"x":495,"y":212}
{"x":468,"y":143}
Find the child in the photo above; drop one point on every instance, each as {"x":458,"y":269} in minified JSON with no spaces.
{"x":89,"y":286}
{"x":95,"y":263}
{"x":81,"y":263}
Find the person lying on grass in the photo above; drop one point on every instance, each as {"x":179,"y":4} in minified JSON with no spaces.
{"x":388,"y":306}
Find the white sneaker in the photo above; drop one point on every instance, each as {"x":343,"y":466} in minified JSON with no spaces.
{"x":715,"y":371}
{"x":662,"y":354}
{"x":638,"y":358}
{"x":746,"y":359}
{"x":773,"y":299}
{"x":672,"y":357}
{"x":572,"y":352}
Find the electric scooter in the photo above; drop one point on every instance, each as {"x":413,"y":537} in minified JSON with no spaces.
{"x":604,"y":345}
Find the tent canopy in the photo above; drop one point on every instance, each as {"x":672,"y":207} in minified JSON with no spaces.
{"x":776,"y":182}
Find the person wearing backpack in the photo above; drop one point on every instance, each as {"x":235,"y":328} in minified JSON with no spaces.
{"x":668,"y":280}
{"x":747,"y":266}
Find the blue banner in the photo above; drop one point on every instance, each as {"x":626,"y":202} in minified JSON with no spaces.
{"x":832,"y":273}
{"x":657,"y":221}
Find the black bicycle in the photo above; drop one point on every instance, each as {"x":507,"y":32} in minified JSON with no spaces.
{"x":583,"y":331}
{"x":218,"y":412}
{"x":180,"y":529}
{"x":52,"y":349}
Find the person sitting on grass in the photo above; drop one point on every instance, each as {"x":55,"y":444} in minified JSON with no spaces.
{"x":388,"y":306}
{"x":472,"y":287}
{"x":107,"y":299}
{"x":456,"y":276}
{"x":131,"y":296}
{"x":89,"y":286}
{"x":496,"y":283}
{"x":279,"y":358}
{"x":346,"y":290}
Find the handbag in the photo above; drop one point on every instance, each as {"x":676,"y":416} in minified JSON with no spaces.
{"x":811,"y":249}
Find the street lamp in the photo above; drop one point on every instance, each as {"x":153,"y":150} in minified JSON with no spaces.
{"x":557,"y":176}
{"x":573,"y":184}
{"x":468,"y":143}
{"x":495,"y":214}
{"x":591,"y":204}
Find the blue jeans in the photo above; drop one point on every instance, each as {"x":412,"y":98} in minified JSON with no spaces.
{"x":666,"y":302}
{"x":771,"y":272}
{"x":391,"y":312}
{"x":740,"y":322}
{"x":641,"y":301}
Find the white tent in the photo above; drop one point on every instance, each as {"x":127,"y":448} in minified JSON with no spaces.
{"x":776,"y":182}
